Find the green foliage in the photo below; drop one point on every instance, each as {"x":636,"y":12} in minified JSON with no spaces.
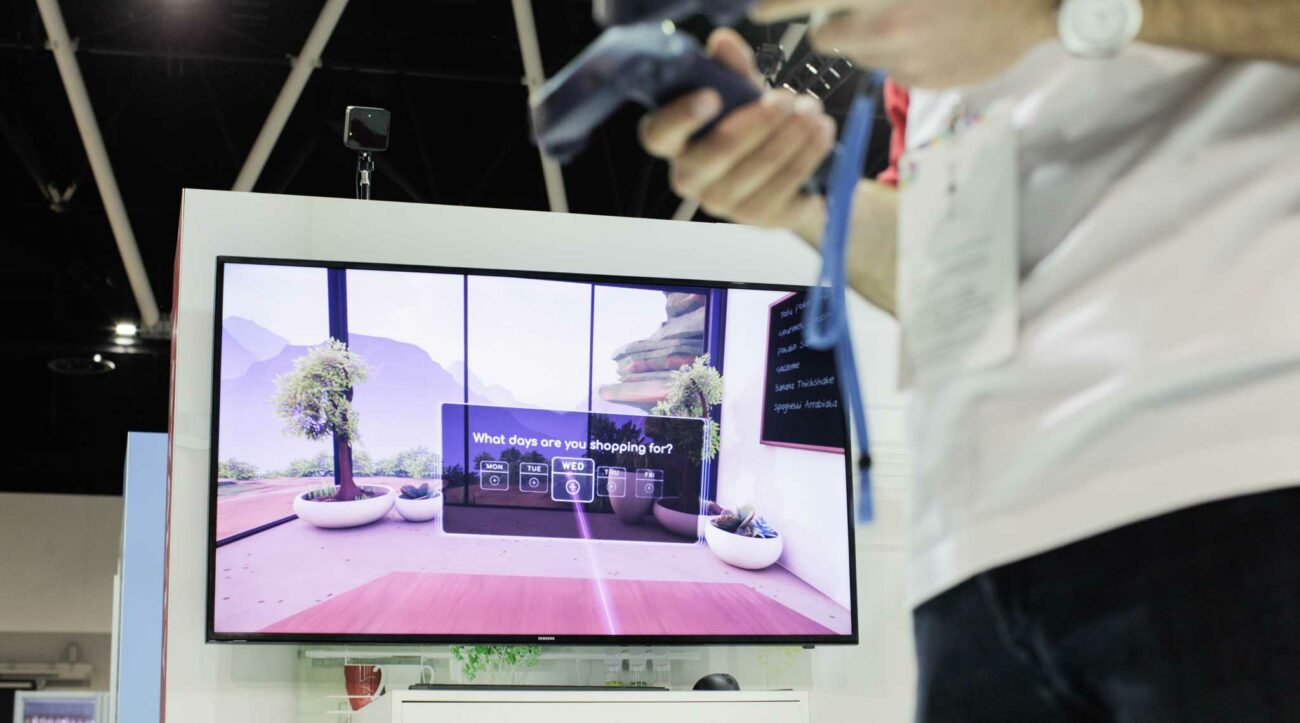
{"x":322,"y":465}
{"x":330,"y":491}
{"x":363,"y":465}
{"x":693,"y":390}
{"x":418,"y":463}
{"x":236,"y":469}
{"x":323,"y":492}
{"x":454,"y":476}
{"x":314,"y":400}
{"x":474,"y":659}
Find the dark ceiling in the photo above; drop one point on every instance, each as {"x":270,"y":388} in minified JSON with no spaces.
{"x":181,"y":88}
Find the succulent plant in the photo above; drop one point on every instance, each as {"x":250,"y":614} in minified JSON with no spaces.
{"x":422,"y":492}
{"x":745,"y":522}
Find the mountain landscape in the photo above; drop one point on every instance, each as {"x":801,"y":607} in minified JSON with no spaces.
{"x":398,"y":406}
{"x":261,"y":342}
{"x":235,"y":357}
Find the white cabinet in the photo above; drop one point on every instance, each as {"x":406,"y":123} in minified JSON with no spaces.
{"x":426,"y":706}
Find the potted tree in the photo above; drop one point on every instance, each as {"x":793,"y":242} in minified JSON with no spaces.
{"x":315,"y":402}
{"x":693,"y":391}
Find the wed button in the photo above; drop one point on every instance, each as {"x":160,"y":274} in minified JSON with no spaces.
{"x":573,"y":479}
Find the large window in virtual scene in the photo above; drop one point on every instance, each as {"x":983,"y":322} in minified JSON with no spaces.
{"x":270,"y":316}
{"x":530,"y":341}
{"x":622,"y":343}
{"x":639,"y":335}
{"x":434,"y":339}
{"x":408,"y":329}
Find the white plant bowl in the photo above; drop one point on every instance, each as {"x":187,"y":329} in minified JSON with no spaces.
{"x":334,"y":515}
{"x":749,"y":553}
{"x":678,"y":522}
{"x":629,"y":509}
{"x":421,"y":510}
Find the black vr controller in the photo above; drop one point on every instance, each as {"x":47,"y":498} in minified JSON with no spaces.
{"x":643,"y":64}
{"x":626,"y":12}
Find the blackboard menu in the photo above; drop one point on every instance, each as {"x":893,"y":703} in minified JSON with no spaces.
{"x":801,"y":393}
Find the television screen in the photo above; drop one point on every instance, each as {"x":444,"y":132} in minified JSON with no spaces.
{"x":416,"y":454}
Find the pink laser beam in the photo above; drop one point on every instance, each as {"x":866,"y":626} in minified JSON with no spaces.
{"x":610,"y":623}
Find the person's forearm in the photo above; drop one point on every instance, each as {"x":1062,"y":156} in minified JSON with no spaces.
{"x":1257,"y":29}
{"x":873,"y":251}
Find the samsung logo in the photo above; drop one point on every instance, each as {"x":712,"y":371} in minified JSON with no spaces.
{"x":546,"y":637}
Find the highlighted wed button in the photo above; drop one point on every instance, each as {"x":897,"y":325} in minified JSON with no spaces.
{"x":573,"y":479}
{"x":494,"y":476}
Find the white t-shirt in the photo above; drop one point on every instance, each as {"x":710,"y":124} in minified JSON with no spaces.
{"x":1158,"y":364}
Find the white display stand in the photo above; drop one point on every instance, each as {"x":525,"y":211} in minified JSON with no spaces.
{"x":217,"y":683}
{"x":434,"y":706}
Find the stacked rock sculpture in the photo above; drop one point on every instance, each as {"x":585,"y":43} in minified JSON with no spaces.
{"x":645,"y":366}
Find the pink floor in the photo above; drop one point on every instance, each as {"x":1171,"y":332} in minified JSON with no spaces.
{"x":423,"y":603}
{"x":275,"y":575}
{"x":254,"y":503}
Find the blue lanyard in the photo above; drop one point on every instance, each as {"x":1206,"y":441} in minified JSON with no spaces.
{"x":826,"y":319}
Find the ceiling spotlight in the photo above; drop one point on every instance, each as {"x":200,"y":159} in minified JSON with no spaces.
{"x":125,"y":328}
{"x":98,"y":358}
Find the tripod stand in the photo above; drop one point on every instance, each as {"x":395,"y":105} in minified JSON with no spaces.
{"x":365,"y":170}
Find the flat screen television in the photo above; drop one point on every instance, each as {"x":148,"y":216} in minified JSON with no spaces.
{"x":417,"y":454}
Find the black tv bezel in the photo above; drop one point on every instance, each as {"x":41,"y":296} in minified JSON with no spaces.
{"x":212,"y":636}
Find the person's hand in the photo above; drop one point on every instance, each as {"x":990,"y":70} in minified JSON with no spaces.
{"x":925,"y":43}
{"x":752,"y":165}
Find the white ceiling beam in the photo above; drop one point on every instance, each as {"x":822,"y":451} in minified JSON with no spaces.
{"x":65,"y":58}
{"x":534,"y":77}
{"x":303,"y":65}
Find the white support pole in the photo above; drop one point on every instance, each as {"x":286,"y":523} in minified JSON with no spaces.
{"x":790,"y":39}
{"x":534,"y":76}
{"x":303,"y":65}
{"x":686,"y":210}
{"x":66,"y":60}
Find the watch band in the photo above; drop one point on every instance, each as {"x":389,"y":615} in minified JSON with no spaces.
{"x":1098,"y":28}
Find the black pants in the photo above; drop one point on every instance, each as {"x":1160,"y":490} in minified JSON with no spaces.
{"x":1192,"y":616}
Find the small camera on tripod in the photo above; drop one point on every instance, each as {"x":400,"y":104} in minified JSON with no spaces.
{"x":365,"y":130}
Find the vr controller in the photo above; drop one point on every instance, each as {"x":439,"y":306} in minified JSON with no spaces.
{"x":643,"y":64}
{"x":626,"y":12}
